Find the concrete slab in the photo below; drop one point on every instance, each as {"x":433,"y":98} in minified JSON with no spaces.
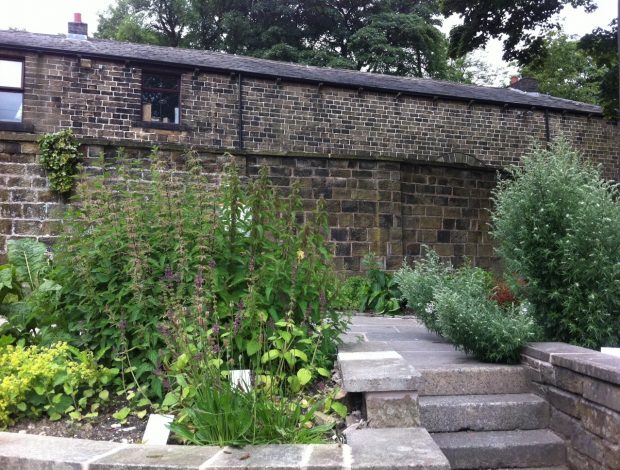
{"x":544,"y":351}
{"x":595,"y":364}
{"x":474,"y":379}
{"x":155,"y":457}
{"x":395,"y":449}
{"x":368,"y":356}
{"x":29,"y":452}
{"x":379,"y":376}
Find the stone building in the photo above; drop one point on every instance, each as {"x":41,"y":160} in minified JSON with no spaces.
{"x":400,"y":161}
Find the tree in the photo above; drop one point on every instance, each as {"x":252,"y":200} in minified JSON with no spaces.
{"x":522,"y":24}
{"x":389,"y":36}
{"x":566,"y":71}
{"x":601,"y":45}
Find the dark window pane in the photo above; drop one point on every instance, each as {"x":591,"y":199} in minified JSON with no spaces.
{"x":11,"y":73}
{"x":11,"y":106}
{"x":161,"y":81}
{"x":164,"y":106}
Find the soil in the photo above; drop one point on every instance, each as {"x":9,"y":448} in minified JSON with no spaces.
{"x":107,"y":428}
{"x":102,"y":428}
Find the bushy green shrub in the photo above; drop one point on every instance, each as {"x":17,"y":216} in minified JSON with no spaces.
{"x":57,"y":380}
{"x":478,"y":325}
{"x":349,"y":293}
{"x":60,"y":157}
{"x":419,"y":283}
{"x":141,"y":258}
{"x":463,"y":306}
{"x":557,"y":224}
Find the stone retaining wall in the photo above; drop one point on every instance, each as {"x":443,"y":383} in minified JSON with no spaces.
{"x":583,"y":388}
{"x":389,"y":208}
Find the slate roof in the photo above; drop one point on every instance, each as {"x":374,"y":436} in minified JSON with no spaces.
{"x":216,"y":61}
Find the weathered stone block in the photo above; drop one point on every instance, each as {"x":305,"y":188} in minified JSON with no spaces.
{"x":603,"y":393}
{"x":600,"y":421}
{"x":392,"y":409}
{"x":564,"y":401}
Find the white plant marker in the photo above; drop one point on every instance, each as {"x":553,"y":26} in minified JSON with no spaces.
{"x":241,"y":379}
{"x":157,"y":432}
{"x":611,"y":351}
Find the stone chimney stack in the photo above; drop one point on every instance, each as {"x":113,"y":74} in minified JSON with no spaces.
{"x":527,"y":84}
{"x":77,"y":29}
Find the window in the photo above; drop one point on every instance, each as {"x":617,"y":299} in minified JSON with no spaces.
{"x":11,"y":90}
{"x":160,"y":98}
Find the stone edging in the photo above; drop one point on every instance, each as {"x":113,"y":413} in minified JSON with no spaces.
{"x":394,"y":449}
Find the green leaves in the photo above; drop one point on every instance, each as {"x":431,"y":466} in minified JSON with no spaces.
{"x":59,"y":157}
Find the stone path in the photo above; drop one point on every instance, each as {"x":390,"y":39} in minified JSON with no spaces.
{"x":479,"y":415}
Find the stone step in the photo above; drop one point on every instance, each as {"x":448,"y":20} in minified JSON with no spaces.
{"x":502,"y":449}
{"x":483,"y":412}
{"x":482,"y":379}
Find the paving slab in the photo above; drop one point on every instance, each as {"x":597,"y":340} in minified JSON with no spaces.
{"x":379,"y":375}
{"x":28,"y":452}
{"x":395,"y":449}
{"x":156,"y":457}
{"x":483,"y":412}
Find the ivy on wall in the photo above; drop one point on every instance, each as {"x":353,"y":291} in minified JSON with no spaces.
{"x":60,"y":157}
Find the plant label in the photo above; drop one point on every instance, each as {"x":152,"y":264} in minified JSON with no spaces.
{"x":157,"y":431}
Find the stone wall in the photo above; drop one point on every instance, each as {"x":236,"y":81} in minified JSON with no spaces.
{"x":385,"y":207}
{"x":583,"y":389}
{"x":103,"y":101}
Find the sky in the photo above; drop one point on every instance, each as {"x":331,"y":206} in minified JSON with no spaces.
{"x":51,"y":16}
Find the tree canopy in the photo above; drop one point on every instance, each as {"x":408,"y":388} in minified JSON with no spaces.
{"x":521,"y":24}
{"x":387,"y":36}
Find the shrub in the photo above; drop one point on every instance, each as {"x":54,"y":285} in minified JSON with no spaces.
{"x":419,"y":283}
{"x":478,"y":325}
{"x":349,"y":293}
{"x":140,"y":258}
{"x":557,"y":224}
{"x":58,"y":381}
{"x":462,"y":305}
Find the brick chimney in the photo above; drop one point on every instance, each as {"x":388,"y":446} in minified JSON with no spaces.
{"x":77,"y":29}
{"x":527,"y":84}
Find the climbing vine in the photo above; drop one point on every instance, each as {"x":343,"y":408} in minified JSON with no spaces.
{"x":59,"y":157}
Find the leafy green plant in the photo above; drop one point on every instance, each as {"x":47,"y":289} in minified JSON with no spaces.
{"x":57,"y":380}
{"x":380,"y":293}
{"x":348,"y":293}
{"x":23,"y":280}
{"x":60,"y":157}
{"x":463,"y":305}
{"x":419,"y":283}
{"x":557,"y":225}
{"x":139,"y":260}
{"x":478,"y":325}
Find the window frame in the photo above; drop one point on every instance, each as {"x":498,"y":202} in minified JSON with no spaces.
{"x":159,"y":124}
{"x":14,"y":125}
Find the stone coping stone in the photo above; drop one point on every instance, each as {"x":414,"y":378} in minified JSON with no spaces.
{"x":393,"y":449}
{"x":396,"y":449}
{"x":378,"y":375}
{"x":581,"y":360}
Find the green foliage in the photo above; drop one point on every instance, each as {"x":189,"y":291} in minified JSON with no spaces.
{"x":463,"y":306}
{"x":349,"y":293}
{"x":478,"y":325}
{"x":566,"y":71}
{"x":225,"y":415}
{"x":387,"y":36}
{"x":380,"y":293}
{"x":520,"y":24}
{"x":59,"y":158}
{"x":58,"y":381}
{"x":140,"y":259}
{"x":557,"y":224}
{"x":23,"y":284}
{"x":602,"y":46}
{"x":419,"y":284}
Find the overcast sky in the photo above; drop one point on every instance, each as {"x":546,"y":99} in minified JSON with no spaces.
{"x":51,"y":16}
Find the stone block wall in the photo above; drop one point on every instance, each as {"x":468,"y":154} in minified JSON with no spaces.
{"x":384,"y":207}
{"x":583,"y":388}
{"x":103,"y":101}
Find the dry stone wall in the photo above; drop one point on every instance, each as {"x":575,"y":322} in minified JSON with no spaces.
{"x":583,"y":388}
{"x":396,"y":171}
